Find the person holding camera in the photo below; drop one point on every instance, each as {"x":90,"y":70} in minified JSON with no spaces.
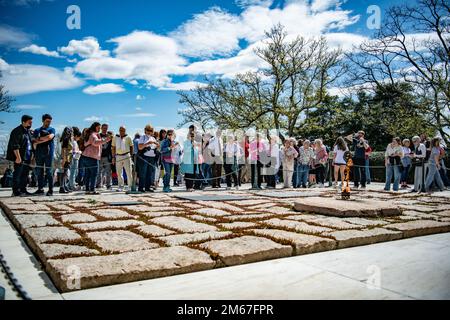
{"x":190,"y":162}
{"x":105,"y":170}
{"x":168,"y":148}
{"x":147,"y":160}
{"x":360,"y":146}
{"x":91,"y":156}
{"x":393,"y":155}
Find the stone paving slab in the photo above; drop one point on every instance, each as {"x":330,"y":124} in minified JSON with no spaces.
{"x":84,"y":231}
{"x":342,"y":208}
{"x":112,"y":213}
{"x":351,"y":238}
{"x":302,"y":243}
{"x":119,"y":241}
{"x":36,"y":220}
{"x":77,"y":218}
{"x":181,"y":239}
{"x":45,"y":234}
{"x":218,"y":197}
{"x":54,"y":250}
{"x":126,"y":267}
{"x":183,"y":224}
{"x":420,"y":227}
{"x":114,"y":224}
{"x":246,"y":249}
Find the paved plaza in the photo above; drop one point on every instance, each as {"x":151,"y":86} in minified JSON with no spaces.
{"x":85,"y":242}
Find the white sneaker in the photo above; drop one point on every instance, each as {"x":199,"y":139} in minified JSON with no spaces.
{"x":126,"y":188}
{"x":120,"y":189}
{"x":320,"y":185}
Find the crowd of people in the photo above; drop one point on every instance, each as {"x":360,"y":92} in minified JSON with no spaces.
{"x":94,"y":158}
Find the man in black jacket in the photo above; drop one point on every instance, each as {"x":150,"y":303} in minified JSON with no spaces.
{"x":20,"y":150}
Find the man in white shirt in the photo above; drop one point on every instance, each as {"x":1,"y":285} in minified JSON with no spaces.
{"x":216,"y":148}
{"x":147,"y":157}
{"x":122,"y":150}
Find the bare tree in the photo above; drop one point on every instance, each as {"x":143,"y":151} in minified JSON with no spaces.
{"x":412,"y":46}
{"x":294,"y":80}
{"x":5,"y":99}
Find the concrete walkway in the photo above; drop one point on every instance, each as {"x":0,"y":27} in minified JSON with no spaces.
{"x":417,"y":268}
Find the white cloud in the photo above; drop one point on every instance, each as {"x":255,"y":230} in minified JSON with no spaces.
{"x":322,"y":5}
{"x":188,"y":85}
{"x":212,"y":38}
{"x":250,"y":3}
{"x":213,"y":32}
{"x":24,"y":3}
{"x":105,"y":68}
{"x":86,"y":48}
{"x":93,"y":119}
{"x":14,"y":37}
{"x":140,"y":97}
{"x":28,"y":107}
{"x":138,"y":115}
{"x":21,"y":79}
{"x":344,"y":40}
{"x":246,"y":60}
{"x":103,"y":88}
{"x":40,"y":51}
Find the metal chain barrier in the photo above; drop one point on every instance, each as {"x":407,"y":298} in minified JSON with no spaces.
{"x":21,"y":293}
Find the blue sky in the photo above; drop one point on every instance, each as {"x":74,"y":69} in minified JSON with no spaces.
{"x":125,"y":63}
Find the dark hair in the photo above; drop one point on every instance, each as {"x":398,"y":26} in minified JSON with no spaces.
{"x":26,"y":117}
{"x":340,"y":143}
{"x":91,"y":130}
{"x":46,"y":116}
{"x":161,"y":132}
{"x":66,"y":135}
{"x":105,"y":124}
{"x":137,"y":136}
{"x":170,"y":132}
{"x":435,"y":142}
{"x":399,"y":141}
{"x":191,"y":127}
{"x":76,"y":132}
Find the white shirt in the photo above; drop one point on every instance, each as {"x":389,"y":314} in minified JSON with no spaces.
{"x":339,"y":155}
{"x":144,"y":139}
{"x":215,"y":146}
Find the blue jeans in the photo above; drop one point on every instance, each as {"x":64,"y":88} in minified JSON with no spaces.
{"x":295,"y":180}
{"x":146,"y":172}
{"x":20,"y":177}
{"x":405,"y":172}
{"x":44,"y":160}
{"x":90,"y":172}
{"x":206,"y":170}
{"x":303,"y":174}
{"x":167,"y":173}
{"x":367,"y":168}
{"x":433,"y":176}
{"x":73,"y":172}
{"x":392,"y":170}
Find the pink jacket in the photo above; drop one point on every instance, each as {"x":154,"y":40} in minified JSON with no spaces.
{"x":93,"y":147}
{"x":254,"y":150}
